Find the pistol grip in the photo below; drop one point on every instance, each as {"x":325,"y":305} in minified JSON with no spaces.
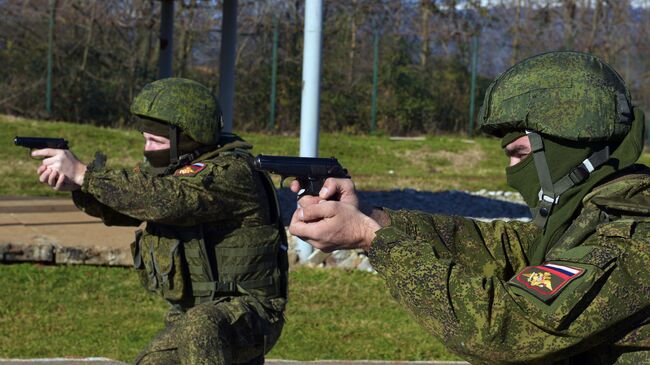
{"x":310,"y":186}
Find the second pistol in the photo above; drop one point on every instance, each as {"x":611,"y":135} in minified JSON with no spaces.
{"x":311,"y":172}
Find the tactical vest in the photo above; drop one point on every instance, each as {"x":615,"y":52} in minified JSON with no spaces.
{"x":193,"y":265}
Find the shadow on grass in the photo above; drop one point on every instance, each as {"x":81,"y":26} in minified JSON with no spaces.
{"x":445,"y":202}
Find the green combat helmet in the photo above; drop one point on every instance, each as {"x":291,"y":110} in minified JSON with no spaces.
{"x":186,"y":106}
{"x":568,"y":96}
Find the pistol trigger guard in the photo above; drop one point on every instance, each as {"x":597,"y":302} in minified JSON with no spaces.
{"x":282,"y":178}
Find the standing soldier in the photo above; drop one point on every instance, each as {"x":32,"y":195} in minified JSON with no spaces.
{"x":572,"y":287}
{"x":213,"y":246}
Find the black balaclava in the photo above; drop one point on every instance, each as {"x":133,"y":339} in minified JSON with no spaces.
{"x":160,"y":160}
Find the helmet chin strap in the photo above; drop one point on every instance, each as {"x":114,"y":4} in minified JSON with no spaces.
{"x":175,"y":160}
{"x":173,"y":144}
{"x":549,"y":195}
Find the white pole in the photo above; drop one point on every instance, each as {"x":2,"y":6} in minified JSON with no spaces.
{"x":310,"y":102}
{"x":311,"y":65}
{"x":227,"y":62}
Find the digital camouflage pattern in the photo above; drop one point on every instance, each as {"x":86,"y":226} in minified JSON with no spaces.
{"x":453,"y":275}
{"x":570,"y":95}
{"x":226,"y":331}
{"x":219,"y":200}
{"x":183,"y":103}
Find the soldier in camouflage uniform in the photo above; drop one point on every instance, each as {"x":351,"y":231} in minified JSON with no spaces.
{"x":571,"y":287}
{"x":213,"y":245}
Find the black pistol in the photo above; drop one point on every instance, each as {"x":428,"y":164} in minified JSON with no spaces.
{"x":311,"y":172}
{"x":38,"y":143}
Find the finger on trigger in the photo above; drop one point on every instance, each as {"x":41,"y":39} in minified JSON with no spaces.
{"x":294,"y":186}
{"x":44,"y":152}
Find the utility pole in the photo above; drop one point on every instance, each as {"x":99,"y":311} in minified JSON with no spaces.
{"x":375,"y":81}
{"x":310,"y":100}
{"x":472,"y":93}
{"x":50,"y":61}
{"x":274,"y":72}
{"x":166,"y":47}
{"x":227,"y":62}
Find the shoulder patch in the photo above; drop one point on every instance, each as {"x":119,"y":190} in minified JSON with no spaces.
{"x":545,"y":281}
{"x":190,"y":170}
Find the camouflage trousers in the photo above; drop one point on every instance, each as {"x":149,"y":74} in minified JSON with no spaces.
{"x":223,"y":332}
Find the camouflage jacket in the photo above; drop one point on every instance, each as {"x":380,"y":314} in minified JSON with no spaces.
{"x":218,"y":208}
{"x":471,"y":284}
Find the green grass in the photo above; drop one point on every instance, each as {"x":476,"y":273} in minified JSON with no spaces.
{"x":56,"y":311}
{"x":375,"y":162}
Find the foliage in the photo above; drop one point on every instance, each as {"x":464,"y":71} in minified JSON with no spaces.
{"x":104,"y":52}
{"x":57,"y":311}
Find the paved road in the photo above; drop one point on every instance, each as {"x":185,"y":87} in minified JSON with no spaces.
{"x":57,"y":221}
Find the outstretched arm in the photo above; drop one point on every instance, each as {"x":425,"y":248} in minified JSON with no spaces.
{"x":459,"y":283}
{"x":221,"y":190}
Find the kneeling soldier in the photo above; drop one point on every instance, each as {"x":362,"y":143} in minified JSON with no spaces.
{"x":213,"y":246}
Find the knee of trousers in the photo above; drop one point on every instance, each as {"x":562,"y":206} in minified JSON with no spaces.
{"x":168,"y":357}
{"x":203,"y":321}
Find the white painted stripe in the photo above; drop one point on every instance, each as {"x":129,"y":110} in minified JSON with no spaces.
{"x":565,"y":268}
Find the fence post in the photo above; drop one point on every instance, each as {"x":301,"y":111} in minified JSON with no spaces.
{"x":375,"y":81}
{"x":50,"y":46}
{"x":274,"y":72}
{"x":472,"y":92}
{"x":166,"y":45}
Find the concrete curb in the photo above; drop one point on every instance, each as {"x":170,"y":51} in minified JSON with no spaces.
{"x":62,"y":361}
{"x":51,"y":252}
{"x":361,"y":362}
{"x":105,"y":361}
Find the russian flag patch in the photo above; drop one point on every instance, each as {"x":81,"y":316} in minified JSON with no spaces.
{"x":545,"y":281}
{"x":190,"y":170}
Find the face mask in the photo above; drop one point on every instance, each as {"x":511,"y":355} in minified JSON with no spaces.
{"x":523,"y":178}
{"x":159,"y":158}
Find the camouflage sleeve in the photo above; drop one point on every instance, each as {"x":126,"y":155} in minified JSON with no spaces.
{"x":91,"y":206}
{"x":503,"y":244}
{"x":211,"y":191}
{"x":465,"y":295}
